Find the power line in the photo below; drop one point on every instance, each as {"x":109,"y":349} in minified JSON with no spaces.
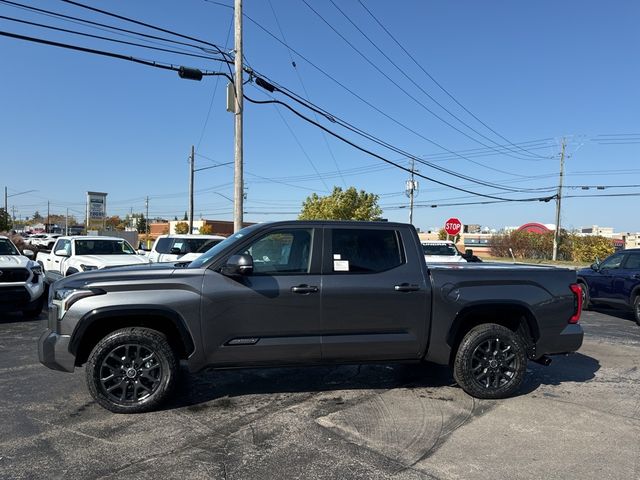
{"x":419,"y":87}
{"x":438,"y":84}
{"x":369,"y":152}
{"x":304,"y":89}
{"x":347,"y":89}
{"x":402,"y":89}
{"x":150,"y":63}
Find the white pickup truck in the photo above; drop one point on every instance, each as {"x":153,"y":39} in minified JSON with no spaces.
{"x":21,"y":281}
{"x":76,"y":254}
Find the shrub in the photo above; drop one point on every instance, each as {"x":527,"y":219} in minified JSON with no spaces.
{"x":586,"y":249}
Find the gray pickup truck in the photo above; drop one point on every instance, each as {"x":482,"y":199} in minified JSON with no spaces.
{"x":308,"y":293}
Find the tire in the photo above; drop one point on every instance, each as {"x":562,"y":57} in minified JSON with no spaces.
{"x":490,"y":362}
{"x":586,"y":300}
{"x":636,"y":308}
{"x":36,"y":309}
{"x":132,"y":370}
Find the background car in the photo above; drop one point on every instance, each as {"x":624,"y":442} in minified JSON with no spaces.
{"x":614,"y":282}
{"x":21,"y":281}
{"x":441,"y":251}
{"x":170,"y":248}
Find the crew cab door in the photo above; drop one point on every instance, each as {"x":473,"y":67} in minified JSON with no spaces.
{"x":271,"y":316}
{"x":629,"y":278}
{"x":375,"y":299}
{"x":602,"y":282}
{"x":55,"y":263}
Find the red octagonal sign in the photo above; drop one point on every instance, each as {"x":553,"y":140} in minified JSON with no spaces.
{"x":453,"y":226}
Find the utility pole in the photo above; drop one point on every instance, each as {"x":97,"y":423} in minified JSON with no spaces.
{"x":66,"y":223}
{"x":191,"y":165}
{"x":5,"y":201}
{"x":46,"y":227}
{"x":556,"y":234}
{"x":146,"y":223}
{"x":238,"y":183}
{"x":411,"y":187}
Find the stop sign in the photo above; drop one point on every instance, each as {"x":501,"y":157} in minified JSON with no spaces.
{"x":453,"y":226}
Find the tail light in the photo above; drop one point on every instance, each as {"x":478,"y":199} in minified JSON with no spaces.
{"x":577,"y":302}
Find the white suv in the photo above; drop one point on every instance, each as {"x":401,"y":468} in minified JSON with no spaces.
{"x":21,"y":281}
{"x":183,"y":248}
{"x":441,"y":251}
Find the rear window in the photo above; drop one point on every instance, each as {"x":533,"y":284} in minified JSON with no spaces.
{"x":365,"y":251}
{"x":443,"y":249}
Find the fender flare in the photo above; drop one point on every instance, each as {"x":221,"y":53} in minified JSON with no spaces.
{"x":100,"y":314}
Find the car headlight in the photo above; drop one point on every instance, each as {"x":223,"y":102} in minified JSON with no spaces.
{"x":64,"y":298}
{"x":86,"y":268}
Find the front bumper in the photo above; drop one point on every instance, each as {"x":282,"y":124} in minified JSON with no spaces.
{"x":53,"y":351}
{"x":567,"y":341}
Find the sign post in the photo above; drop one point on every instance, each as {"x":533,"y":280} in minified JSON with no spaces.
{"x":96,"y":211}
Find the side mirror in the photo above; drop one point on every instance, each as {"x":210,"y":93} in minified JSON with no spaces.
{"x":28,"y":253}
{"x":238,"y":265}
{"x":595,"y":266}
{"x":61,"y":253}
{"x":175,"y":251}
{"x":468,"y":252}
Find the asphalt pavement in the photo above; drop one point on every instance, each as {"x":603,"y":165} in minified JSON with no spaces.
{"x":578,"y":418}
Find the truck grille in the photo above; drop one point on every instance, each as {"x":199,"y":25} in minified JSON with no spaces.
{"x":14,"y":297}
{"x":13,"y":275}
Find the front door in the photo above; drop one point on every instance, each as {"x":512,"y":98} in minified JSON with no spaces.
{"x":271,"y":316}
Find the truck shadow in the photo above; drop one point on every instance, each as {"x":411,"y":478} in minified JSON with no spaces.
{"x":195,"y":390}
{"x":575,"y":367}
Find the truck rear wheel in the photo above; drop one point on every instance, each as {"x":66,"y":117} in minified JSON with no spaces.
{"x":490,"y":362}
{"x":636,"y":308}
{"x":131,"y":370}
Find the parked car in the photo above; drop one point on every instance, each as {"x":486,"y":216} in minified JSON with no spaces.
{"x":21,"y":281}
{"x":82,"y":253}
{"x":306,"y":293}
{"x":614,"y":282}
{"x":440,"y":251}
{"x":47,"y":240}
{"x":183,"y":248}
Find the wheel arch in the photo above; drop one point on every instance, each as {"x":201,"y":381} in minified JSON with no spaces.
{"x":515,"y":316}
{"x":99,"y":322}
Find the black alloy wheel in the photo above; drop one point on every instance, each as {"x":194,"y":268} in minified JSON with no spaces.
{"x":636,"y":308}
{"x":131,"y":370}
{"x":490,"y":362}
{"x":586,"y":302}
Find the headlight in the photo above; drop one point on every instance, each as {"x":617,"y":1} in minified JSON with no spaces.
{"x":65,"y":297}
{"x":86,"y":268}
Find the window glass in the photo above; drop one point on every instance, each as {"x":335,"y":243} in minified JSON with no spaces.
{"x":612,"y":262}
{"x":63,"y":245}
{"x":365,"y":251}
{"x":103,"y":247}
{"x":633,"y":261}
{"x":444,"y":249}
{"x":283,"y":251}
{"x":163,"y":245}
{"x":7,"y":248}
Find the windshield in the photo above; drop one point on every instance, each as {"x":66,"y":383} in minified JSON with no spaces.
{"x":103,"y":247}
{"x":207,"y":245}
{"x":7,"y":248}
{"x":213,"y":251}
{"x":443,"y":249}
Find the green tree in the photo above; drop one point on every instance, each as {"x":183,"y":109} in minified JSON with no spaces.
{"x":182,"y":228}
{"x":5,"y":221}
{"x":37,"y":218}
{"x":186,"y":217}
{"x":141,"y":224}
{"x":346,"y":204}
{"x":206,"y":229}
{"x":442,"y":235}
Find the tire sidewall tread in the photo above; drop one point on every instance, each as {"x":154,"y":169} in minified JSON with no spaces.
{"x":153,"y":339}
{"x":471,"y":340}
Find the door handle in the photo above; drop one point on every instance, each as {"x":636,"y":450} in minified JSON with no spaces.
{"x":57,"y":261}
{"x":304,"y":289}
{"x":405,"y":287}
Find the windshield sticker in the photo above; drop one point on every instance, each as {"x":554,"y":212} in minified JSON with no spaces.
{"x":337,"y":256}
{"x":341,"y":265}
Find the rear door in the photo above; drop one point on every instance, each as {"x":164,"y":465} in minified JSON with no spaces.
{"x":629,"y":278}
{"x":271,"y":316}
{"x":602,"y":283}
{"x":375,"y":301}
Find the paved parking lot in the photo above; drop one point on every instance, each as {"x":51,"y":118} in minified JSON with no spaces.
{"x":576,"y":419}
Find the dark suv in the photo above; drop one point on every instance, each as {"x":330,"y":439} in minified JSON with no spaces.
{"x":614,"y":282}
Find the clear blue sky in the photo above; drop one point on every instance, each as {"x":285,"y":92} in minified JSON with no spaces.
{"x":72,"y":122}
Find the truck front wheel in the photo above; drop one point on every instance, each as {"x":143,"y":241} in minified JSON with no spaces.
{"x":490,"y":362}
{"x":131,"y":370}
